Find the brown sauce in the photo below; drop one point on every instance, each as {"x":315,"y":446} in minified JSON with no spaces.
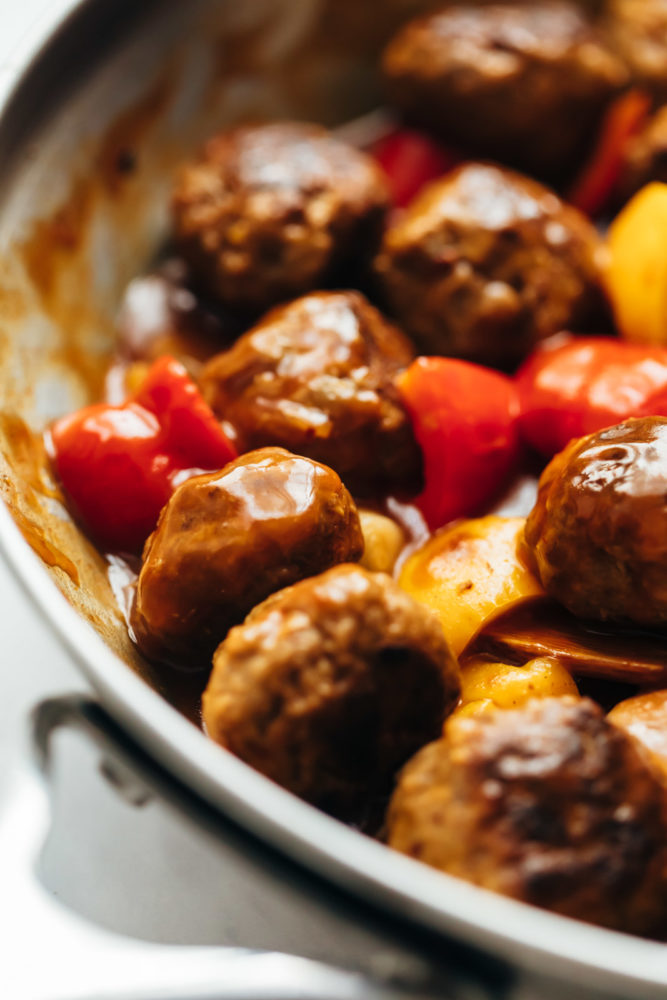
{"x":543,"y":628}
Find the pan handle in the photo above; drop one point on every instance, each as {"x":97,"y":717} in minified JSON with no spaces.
{"x":50,"y":953}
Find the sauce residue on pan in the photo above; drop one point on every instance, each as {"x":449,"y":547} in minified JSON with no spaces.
{"x":28,"y":489}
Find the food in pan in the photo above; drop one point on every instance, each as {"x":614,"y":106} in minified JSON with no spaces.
{"x":266,"y":496}
{"x":644,"y":716}
{"x":485,"y":263}
{"x":228,"y":539}
{"x":465,"y":419}
{"x":317,"y":376}
{"x":486,"y":685}
{"x":637,"y":31}
{"x":636,"y":272}
{"x":272,"y":211}
{"x":468,"y":570}
{"x":550,"y":804}
{"x":521,"y":83}
{"x":597,"y":536}
{"x":645,"y":157}
{"x":330,"y":685}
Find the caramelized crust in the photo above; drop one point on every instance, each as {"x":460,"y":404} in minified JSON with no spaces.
{"x":597,"y":536}
{"x":317,"y":376}
{"x":271,"y":211}
{"x":330,"y":685}
{"x":485,"y":263}
{"x":549,"y":804}
{"x":524,"y":83}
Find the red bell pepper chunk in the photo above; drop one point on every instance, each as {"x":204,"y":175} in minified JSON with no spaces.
{"x":187,"y":421}
{"x":598,"y":177}
{"x":464,"y":417}
{"x":120,"y":464}
{"x":568,"y":388}
{"x":410,"y":160}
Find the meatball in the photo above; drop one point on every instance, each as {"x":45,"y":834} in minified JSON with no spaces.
{"x":645,"y":157}
{"x":485,"y":263}
{"x":226,"y":540}
{"x":597,"y":535}
{"x":271,"y":211}
{"x":637,"y":31}
{"x":644,"y":716}
{"x":522,"y":83}
{"x":330,"y":685}
{"x":549,"y":804}
{"x":317,"y":376}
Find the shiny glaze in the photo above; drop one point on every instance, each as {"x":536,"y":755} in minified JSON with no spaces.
{"x":598,"y":533}
{"x":227,"y":540}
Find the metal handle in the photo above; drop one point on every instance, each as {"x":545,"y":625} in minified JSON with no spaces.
{"x":50,"y":953}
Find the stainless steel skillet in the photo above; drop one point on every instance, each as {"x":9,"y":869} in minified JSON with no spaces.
{"x":113,"y":95}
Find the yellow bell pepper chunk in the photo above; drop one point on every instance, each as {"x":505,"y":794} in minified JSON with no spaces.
{"x":468,"y":573}
{"x":501,"y":685}
{"x":470,"y":709}
{"x":636,"y":271}
{"x":383,"y":541}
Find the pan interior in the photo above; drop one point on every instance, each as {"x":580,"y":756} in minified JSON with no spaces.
{"x":76,"y":224}
{"x":84,"y":208}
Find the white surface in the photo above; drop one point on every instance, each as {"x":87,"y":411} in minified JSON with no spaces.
{"x":17,"y":18}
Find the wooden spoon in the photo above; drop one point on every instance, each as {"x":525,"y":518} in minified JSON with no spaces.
{"x":542,"y":628}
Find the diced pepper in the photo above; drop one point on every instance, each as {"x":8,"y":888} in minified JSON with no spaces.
{"x":636,"y":274}
{"x":410,"y":160}
{"x":120,"y":464}
{"x":597,"y":179}
{"x":468,"y":573}
{"x":487,"y":685}
{"x":579,"y":385}
{"x":465,"y":418}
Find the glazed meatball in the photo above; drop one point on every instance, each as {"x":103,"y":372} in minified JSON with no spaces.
{"x":271,"y":211}
{"x":485,"y":263}
{"x":597,"y":535}
{"x":226,"y":540}
{"x":549,"y":804}
{"x":521,"y":83}
{"x":637,"y":31}
{"x":317,"y":377}
{"x":645,"y":157}
{"x":330,"y":685}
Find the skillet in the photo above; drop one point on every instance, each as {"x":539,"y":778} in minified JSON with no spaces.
{"x":75,"y":224}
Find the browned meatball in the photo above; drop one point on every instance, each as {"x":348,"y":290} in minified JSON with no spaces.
{"x":330,"y":685}
{"x":550,"y":804}
{"x":228,"y":539}
{"x":317,"y":376}
{"x":597,"y":536}
{"x":637,"y":31}
{"x":522,"y":83}
{"x":269,"y":212}
{"x":485,"y":263}
{"x":645,"y":157}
